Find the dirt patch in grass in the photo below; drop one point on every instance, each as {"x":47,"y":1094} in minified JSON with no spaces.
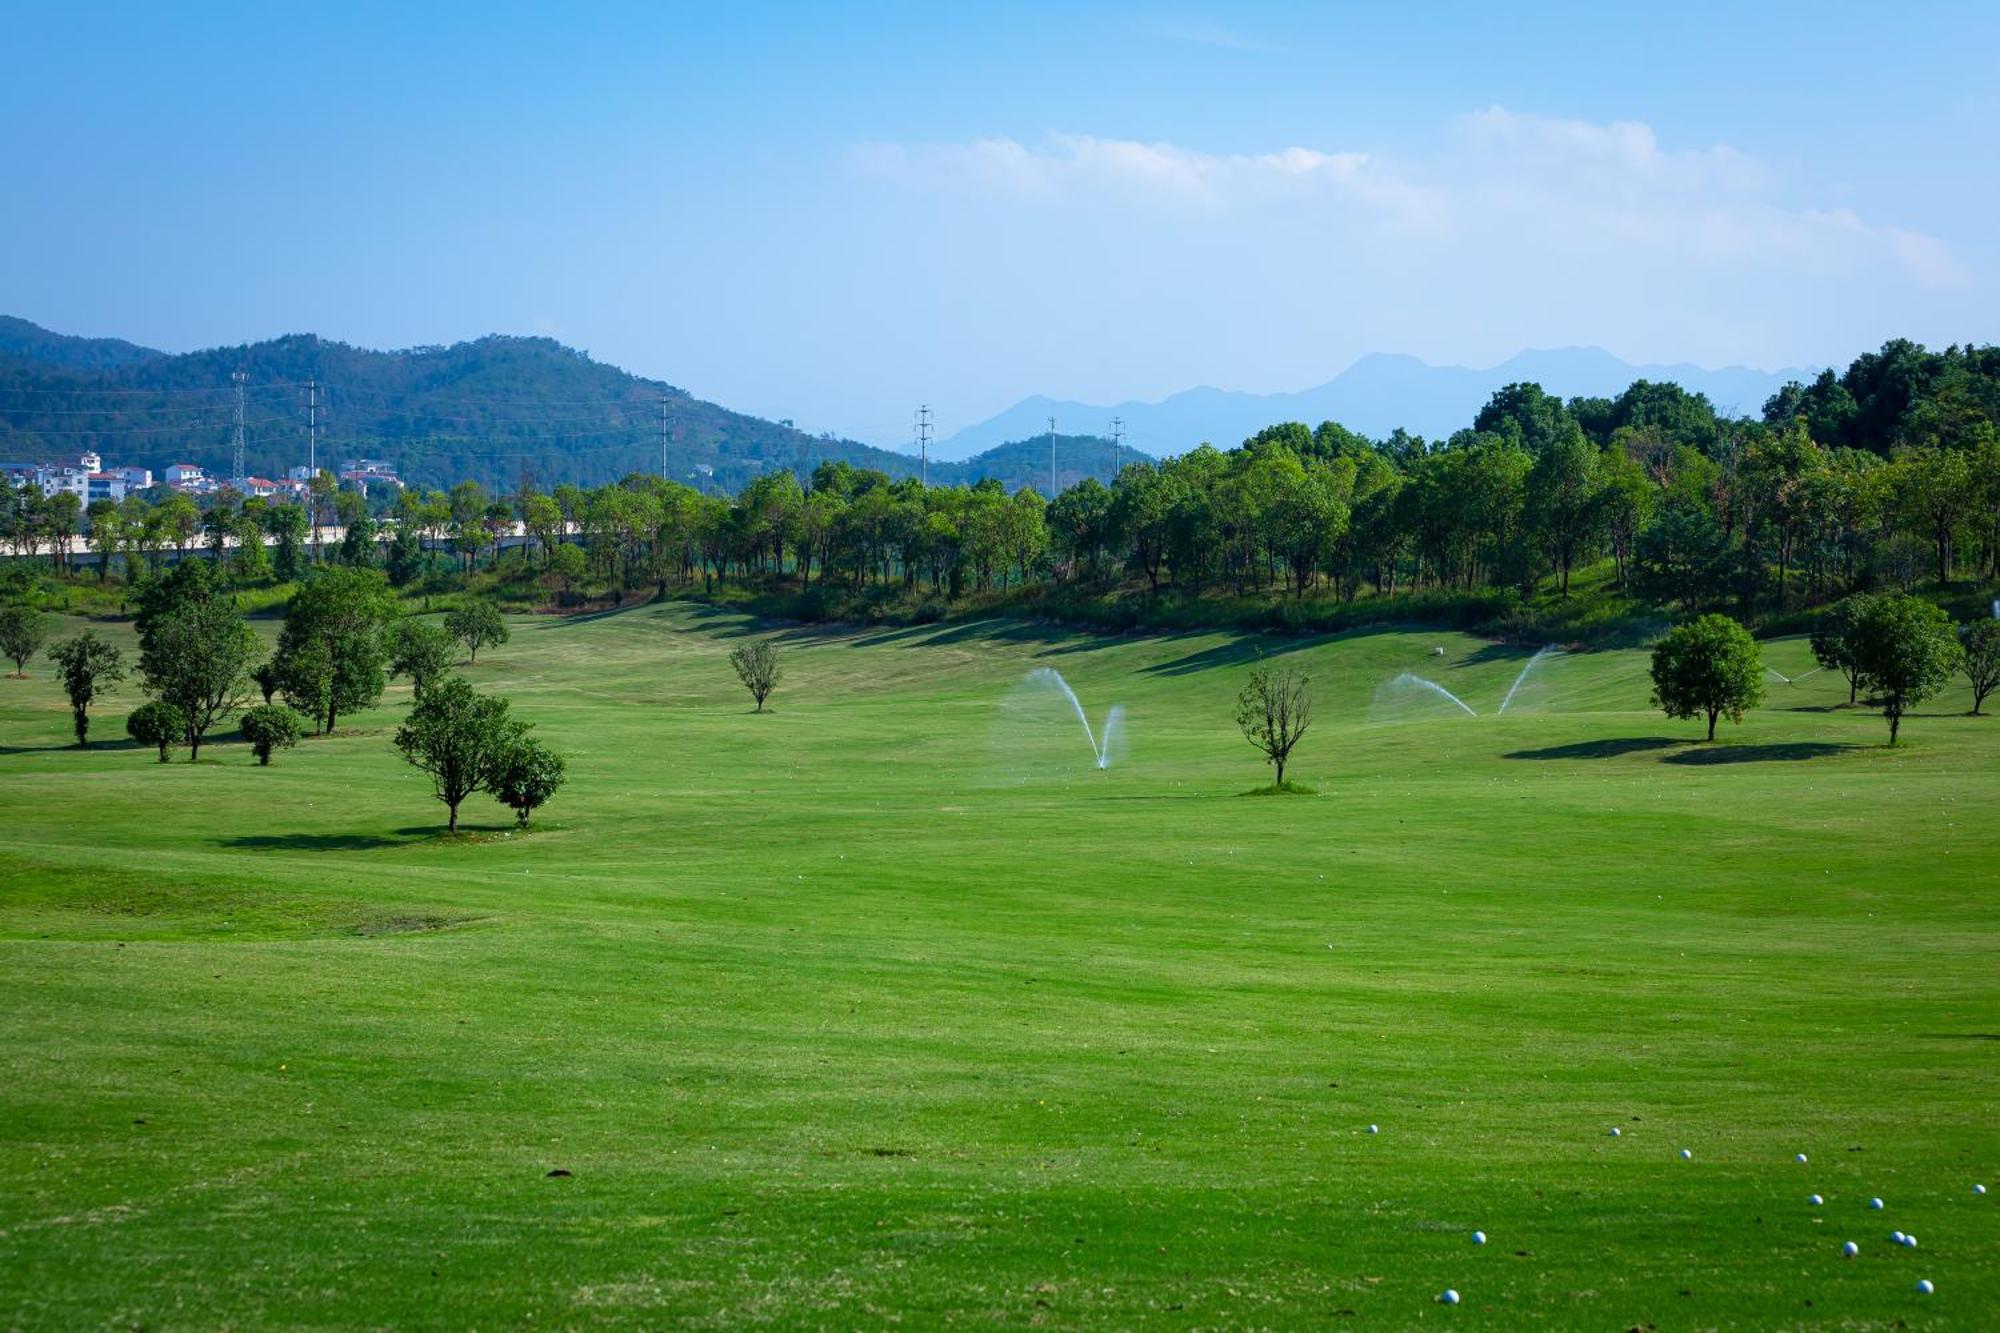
{"x":410,"y":924}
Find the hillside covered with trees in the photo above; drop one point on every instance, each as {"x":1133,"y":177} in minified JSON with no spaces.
{"x":494,"y":411}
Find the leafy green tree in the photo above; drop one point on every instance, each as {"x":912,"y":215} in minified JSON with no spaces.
{"x":157,"y":723}
{"x":457,"y":736}
{"x":1563,"y":504}
{"x":180,"y":520}
{"x":420,"y":651}
{"x":1273,"y":711}
{"x":476,"y":624}
{"x":23,"y":631}
{"x":406,"y":555}
{"x":566,"y":566}
{"x":271,"y":727}
{"x":107,"y":534}
{"x":757,"y":667}
{"x":357,"y":542}
{"x":1683,"y":555}
{"x":267,"y":678}
{"x":1710,"y":667}
{"x":87,"y":665}
{"x":1980,"y":642}
{"x":287,"y":523}
{"x":1905,"y":651}
{"x":1833,"y":639}
{"x":330,"y":655}
{"x":526,"y":775}
{"x":252,"y":563}
{"x":195,"y":649}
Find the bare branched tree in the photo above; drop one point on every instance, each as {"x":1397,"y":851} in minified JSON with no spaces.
{"x":757,"y":667}
{"x":1274,"y":711}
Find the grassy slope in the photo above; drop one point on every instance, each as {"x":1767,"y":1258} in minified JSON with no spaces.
{"x":888,"y":1003}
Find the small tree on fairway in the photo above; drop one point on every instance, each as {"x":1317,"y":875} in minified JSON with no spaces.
{"x":86,"y":664}
{"x":526,"y":776}
{"x":271,"y":727}
{"x":195,"y":655}
{"x":1274,"y":710}
{"x":1906,"y":652}
{"x":330,"y":652}
{"x":157,"y":723}
{"x":476,"y":625}
{"x":1981,"y":643}
{"x":1708,"y":667}
{"x":420,"y":651}
{"x":757,"y":667}
{"x":457,"y":736}
{"x":23,"y":631}
{"x":1833,"y":639}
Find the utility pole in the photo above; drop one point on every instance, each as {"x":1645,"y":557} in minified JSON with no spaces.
{"x":924,"y":442}
{"x":312,"y":430}
{"x":240,"y":378}
{"x":1052,"y":458}
{"x":1117,"y":437}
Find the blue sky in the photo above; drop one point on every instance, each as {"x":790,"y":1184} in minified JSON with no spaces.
{"x":833,"y":213}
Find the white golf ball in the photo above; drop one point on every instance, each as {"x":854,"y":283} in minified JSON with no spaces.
{"x":1616,"y":1132}
{"x":1896,"y":1236}
{"x":1478,"y":1238}
{"x":1814,"y":1200}
{"x":1450,"y":1297}
{"x":1850,"y":1249}
{"x":1686,"y":1153}
{"x":1876,"y":1204}
{"x":1910,"y":1241}
{"x":1374,"y":1129}
{"x":1800,"y":1159}
{"x":1924,"y":1287}
{"x":1979,"y":1189}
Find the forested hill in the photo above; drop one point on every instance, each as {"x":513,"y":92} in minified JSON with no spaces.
{"x":32,"y":342}
{"x":492,"y":411}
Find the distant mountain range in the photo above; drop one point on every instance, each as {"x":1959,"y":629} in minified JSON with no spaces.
{"x":1374,"y":396}
{"x":493,"y":410}
{"x":500,"y":408}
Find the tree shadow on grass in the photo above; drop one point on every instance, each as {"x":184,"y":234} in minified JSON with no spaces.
{"x":1606,"y":749}
{"x":70,"y":746}
{"x":1778,"y":752}
{"x":323,"y":842}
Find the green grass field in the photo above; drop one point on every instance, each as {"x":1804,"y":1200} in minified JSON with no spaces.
{"x":887,"y":1006}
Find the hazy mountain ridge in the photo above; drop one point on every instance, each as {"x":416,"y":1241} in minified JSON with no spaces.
{"x":1374,"y":396}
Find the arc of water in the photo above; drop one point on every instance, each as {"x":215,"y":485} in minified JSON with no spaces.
{"x":1410,"y":678}
{"x":1101,"y":752}
{"x":1530,"y":666}
{"x":1114,"y":726}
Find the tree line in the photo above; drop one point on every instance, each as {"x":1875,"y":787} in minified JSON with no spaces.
{"x":1882,"y":478}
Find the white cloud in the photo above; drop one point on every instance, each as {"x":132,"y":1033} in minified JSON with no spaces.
{"x":1074,"y":166}
{"x":1523,"y":187}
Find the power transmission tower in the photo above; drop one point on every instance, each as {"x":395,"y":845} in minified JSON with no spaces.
{"x":312,"y":431}
{"x":240,"y":379}
{"x":663,"y":439}
{"x":924,"y":442}
{"x":1117,"y":438}
{"x":1052,"y":458}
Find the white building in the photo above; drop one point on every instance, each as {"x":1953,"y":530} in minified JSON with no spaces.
{"x":179,"y":474}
